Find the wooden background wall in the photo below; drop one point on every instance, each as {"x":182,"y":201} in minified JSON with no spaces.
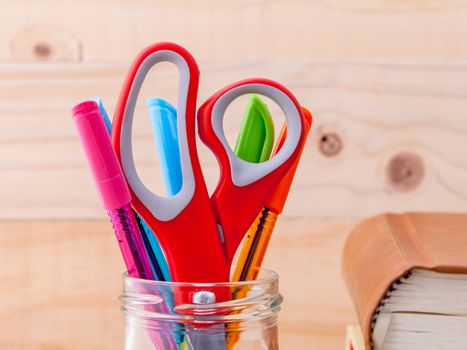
{"x":385,"y":80}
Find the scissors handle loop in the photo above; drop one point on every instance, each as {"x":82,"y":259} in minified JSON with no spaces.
{"x":163,"y":208}
{"x":244,"y":187}
{"x":184,"y":224}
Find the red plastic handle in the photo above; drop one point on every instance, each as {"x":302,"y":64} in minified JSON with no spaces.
{"x":239,"y":196}
{"x":189,"y":234}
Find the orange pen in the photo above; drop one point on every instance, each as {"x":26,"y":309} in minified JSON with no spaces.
{"x":258,"y":236}
{"x":257,"y":239}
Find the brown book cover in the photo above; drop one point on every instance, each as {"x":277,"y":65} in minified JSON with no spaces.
{"x":382,"y":249}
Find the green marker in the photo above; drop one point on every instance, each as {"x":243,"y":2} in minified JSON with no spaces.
{"x":256,"y":136}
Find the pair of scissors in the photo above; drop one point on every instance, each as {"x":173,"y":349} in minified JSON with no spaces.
{"x":199,"y":233}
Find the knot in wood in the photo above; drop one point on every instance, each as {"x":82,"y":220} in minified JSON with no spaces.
{"x":330,"y":144}
{"x":405,"y":171}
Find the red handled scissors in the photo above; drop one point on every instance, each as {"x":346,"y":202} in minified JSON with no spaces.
{"x":199,"y":233}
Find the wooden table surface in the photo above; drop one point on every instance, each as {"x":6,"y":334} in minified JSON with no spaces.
{"x":62,"y":279}
{"x":386,"y":82}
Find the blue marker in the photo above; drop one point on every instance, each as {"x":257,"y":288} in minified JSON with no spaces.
{"x":153,"y":248}
{"x":105,"y":116}
{"x":164,"y":127}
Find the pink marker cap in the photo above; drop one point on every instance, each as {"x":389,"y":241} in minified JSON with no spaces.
{"x":105,"y":168}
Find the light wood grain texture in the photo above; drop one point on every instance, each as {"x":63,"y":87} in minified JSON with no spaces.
{"x":426,"y":30}
{"x":377,"y":111}
{"x":61,"y":280}
{"x":386,"y":137}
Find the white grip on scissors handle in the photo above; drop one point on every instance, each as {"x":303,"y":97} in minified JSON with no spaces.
{"x":243,"y":172}
{"x":163,"y":208}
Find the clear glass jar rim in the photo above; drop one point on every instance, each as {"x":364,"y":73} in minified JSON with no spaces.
{"x":146,"y":301}
{"x":266,"y":276}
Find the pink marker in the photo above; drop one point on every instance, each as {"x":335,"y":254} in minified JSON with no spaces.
{"x":112,"y":187}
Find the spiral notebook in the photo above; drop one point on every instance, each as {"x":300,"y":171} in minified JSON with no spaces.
{"x":407,"y":275}
{"x":423,"y":310}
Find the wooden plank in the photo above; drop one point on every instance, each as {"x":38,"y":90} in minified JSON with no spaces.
{"x":385,"y":137}
{"x":104,"y":30}
{"x":64,"y":278}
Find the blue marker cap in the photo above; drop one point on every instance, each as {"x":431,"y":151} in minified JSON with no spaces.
{"x":105,"y":116}
{"x":164,"y":127}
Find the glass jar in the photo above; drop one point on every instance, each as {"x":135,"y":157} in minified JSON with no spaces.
{"x":245,"y":320}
